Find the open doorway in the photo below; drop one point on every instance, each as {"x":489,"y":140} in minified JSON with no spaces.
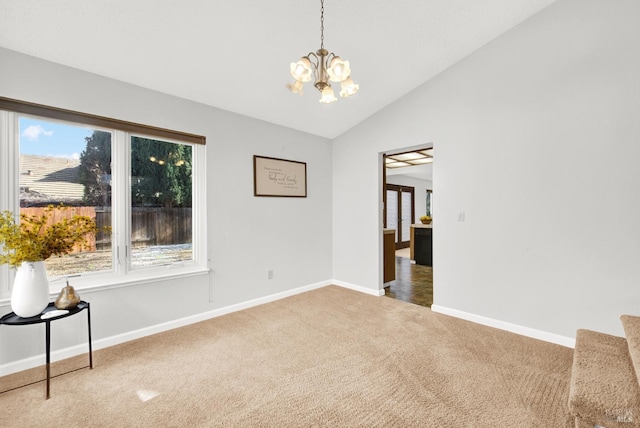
{"x":407,"y":196}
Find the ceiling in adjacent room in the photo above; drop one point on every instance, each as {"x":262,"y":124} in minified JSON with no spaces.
{"x":415,"y":164}
{"x":235,"y":54}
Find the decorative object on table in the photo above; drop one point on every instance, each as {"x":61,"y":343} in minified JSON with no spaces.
{"x":425,"y":219}
{"x":28,"y":243}
{"x":68,"y":298}
{"x":30,"y":294}
{"x":323,"y":67}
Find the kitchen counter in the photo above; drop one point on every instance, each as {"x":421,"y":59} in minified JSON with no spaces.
{"x":429,"y":226}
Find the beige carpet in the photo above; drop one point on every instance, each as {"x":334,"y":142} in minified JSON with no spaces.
{"x":329,"y":357}
{"x":603,"y":388}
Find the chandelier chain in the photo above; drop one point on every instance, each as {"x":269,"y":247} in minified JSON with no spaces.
{"x":321,"y":24}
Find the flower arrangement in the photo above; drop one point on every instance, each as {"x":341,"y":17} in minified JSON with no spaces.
{"x":32,"y":239}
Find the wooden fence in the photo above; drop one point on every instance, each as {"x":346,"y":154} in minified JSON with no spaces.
{"x":149,"y":225}
{"x":160,"y":226}
{"x":58,"y":215}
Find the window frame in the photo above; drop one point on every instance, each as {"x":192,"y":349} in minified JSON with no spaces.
{"x":122,"y":273}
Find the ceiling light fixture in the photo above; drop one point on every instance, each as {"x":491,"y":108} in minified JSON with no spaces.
{"x":324,"y":67}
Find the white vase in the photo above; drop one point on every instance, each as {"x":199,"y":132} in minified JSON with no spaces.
{"x":30,"y":294}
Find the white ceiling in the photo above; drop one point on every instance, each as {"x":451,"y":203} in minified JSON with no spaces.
{"x":235,"y":54}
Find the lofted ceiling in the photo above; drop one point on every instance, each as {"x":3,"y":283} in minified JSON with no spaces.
{"x":235,"y":54}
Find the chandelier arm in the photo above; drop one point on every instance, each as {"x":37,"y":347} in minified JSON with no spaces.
{"x":312,"y":55}
{"x":329,"y":58}
{"x":315,"y":62}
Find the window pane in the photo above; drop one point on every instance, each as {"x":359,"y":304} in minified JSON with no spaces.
{"x":161,"y":194}
{"x":407,"y":208}
{"x":392,"y":211}
{"x":61,"y":163}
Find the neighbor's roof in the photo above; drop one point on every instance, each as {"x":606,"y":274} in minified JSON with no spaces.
{"x":47,"y":178}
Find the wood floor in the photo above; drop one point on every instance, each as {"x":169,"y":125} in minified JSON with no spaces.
{"x":413,"y":283}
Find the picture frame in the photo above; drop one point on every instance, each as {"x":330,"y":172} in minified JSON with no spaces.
{"x":274,"y":177}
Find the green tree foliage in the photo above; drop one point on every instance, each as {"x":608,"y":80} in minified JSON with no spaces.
{"x":95,"y":169}
{"x":160,"y":173}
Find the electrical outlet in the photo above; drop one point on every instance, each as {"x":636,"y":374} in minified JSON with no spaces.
{"x":269,"y":274}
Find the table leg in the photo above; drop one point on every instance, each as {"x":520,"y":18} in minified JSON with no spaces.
{"x":48,"y":353}
{"x":89,"y":330}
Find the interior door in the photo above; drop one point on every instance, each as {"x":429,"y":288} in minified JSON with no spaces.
{"x":400,"y":213}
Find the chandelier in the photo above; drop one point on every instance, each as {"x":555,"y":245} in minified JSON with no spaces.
{"x":323,"y":67}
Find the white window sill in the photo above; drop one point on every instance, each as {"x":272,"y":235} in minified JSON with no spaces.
{"x":92,"y":283}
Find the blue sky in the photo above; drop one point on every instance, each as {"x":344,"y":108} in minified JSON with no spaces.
{"x":39,"y":137}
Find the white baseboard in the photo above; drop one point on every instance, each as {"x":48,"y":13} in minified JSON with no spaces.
{"x":359,"y":288}
{"x":502,"y":325}
{"x":39,"y":360}
{"x":72,"y":351}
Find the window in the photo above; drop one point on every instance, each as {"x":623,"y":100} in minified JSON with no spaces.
{"x":139,"y":180}
{"x":71,"y":165}
{"x":161,"y":202}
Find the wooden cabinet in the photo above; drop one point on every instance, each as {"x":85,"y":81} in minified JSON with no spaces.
{"x":412,"y":244}
{"x":389,"y":245}
{"x":423,"y":233}
{"x":423,"y":246}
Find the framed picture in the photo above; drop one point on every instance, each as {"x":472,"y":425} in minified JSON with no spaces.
{"x":279,"y":177}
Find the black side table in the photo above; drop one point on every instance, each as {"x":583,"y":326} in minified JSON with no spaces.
{"x":13,"y":319}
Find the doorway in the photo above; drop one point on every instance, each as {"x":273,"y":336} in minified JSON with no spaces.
{"x":407,"y":195}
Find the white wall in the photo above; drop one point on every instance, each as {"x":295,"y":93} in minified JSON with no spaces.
{"x":247,"y":235}
{"x":537,"y":138}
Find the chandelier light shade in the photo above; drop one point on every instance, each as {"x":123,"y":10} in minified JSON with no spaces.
{"x":323,"y":67}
